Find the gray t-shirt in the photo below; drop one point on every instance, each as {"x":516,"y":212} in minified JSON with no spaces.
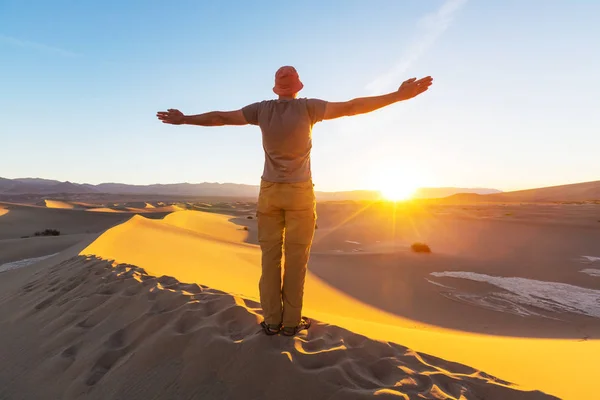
{"x":286,"y":127}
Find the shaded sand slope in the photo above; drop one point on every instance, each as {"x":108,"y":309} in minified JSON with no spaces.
{"x":22,"y":220}
{"x":19,"y":223}
{"x":85,"y":329}
{"x":18,"y":249}
{"x":203,"y":248}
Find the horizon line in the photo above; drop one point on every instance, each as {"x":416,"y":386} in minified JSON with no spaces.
{"x":330,"y":191}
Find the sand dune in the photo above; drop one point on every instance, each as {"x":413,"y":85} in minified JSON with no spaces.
{"x":25,"y":220}
{"x":20,"y":223}
{"x":175,"y":340}
{"x":104,"y":330}
{"x":170,"y":208}
{"x":197,"y":247}
{"x":58,"y":204}
{"x":125,"y":209}
{"x":106,"y":210}
{"x":83,"y":204}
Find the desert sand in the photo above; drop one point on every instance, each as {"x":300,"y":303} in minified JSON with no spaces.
{"x":145,"y":304}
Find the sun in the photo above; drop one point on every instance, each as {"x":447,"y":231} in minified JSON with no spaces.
{"x":398,"y":192}
{"x":396,"y":180}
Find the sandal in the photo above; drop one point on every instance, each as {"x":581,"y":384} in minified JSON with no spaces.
{"x":269,"y":329}
{"x":293,"y":330}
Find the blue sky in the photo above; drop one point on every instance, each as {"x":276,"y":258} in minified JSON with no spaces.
{"x":514,"y":102}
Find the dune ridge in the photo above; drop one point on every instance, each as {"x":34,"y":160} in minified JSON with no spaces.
{"x":58,"y":204}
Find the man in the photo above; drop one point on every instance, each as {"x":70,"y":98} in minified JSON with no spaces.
{"x":286,"y":203}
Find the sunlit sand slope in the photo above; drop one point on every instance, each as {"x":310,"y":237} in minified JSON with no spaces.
{"x":58,"y":204}
{"x":207,"y":249}
{"x":105,"y":210}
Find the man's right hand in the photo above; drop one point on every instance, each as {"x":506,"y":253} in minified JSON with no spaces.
{"x":413,"y":87}
{"x":171,"y":116}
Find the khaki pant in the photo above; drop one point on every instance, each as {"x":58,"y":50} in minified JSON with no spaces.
{"x":286,"y":226}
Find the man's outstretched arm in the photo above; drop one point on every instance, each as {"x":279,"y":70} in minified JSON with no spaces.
{"x":213,"y":118}
{"x":363,"y":105}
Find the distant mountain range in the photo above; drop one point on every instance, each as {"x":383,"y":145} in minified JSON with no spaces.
{"x":586,"y":191}
{"x":48,"y":187}
{"x":37,"y":186}
{"x":438,"y":193}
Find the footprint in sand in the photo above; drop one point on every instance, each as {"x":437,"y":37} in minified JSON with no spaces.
{"x":116,"y":340}
{"x":190,"y":288}
{"x":167,"y":281}
{"x":132,"y":290}
{"x":86,"y":323}
{"x":66,"y":358}
{"x":187,"y":321}
{"x":45,"y":303}
{"x":165,"y":301}
{"x":70,"y":352}
{"x":107,"y":289}
{"x":31,"y":286}
{"x":103,"y":365}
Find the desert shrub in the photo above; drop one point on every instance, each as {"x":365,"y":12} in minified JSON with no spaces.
{"x":245,"y":228}
{"x":420,"y":248}
{"x":249,"y":217}
{"x":48,"y":232}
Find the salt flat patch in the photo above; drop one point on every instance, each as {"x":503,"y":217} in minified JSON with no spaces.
{"x":591,"y":259}
{"x":492,"y":301}
{"x":549,"y":296}
{"x":23,"y":263}
{"x":438,"y":284}
{"x":591,"y":271}
{"x":500,"y":302}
